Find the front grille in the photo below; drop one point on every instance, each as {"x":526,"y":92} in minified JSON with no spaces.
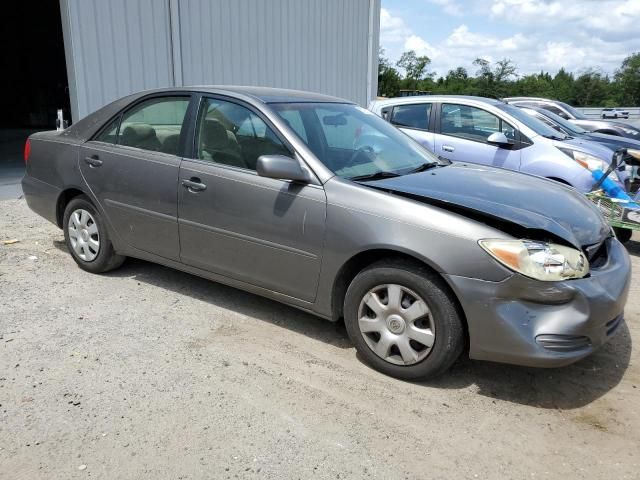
{"x":613,"y":325}
{"x":563,"y":343}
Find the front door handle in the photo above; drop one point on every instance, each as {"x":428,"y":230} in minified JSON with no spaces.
{"x":194,"y":185}
{"x":93,"y":161}
{"x":448,"y":148}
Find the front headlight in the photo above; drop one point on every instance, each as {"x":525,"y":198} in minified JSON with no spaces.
{"x":548,"y":262}
{"x":586,"y":160}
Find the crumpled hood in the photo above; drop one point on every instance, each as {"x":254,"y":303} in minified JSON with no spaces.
{"x":525,"y":200}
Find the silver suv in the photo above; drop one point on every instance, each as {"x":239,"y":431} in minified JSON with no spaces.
{"x":574,"y":116}
{"x":614,"y":113}
{"x":494,"y":133}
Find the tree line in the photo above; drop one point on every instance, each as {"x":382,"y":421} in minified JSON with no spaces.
{"x":588,"y":88}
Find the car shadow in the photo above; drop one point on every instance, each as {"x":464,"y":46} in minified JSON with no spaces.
{"x":564,"y":388}
{"x":230,"y":298}
{"x":633,"y":247}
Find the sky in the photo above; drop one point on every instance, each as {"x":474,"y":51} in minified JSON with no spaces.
{"x":536,"y":34}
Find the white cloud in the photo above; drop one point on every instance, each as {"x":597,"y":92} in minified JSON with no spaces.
{"x":392,"y":29}
{"x":451,"y":7}
{"x":549,"y":34}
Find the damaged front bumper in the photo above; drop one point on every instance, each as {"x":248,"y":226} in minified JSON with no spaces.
{"x":540,"y":324}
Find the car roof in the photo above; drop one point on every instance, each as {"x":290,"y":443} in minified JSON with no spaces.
{"x":531,"y":99}
{"x":263,"y":94}
{"x":437,"y":98}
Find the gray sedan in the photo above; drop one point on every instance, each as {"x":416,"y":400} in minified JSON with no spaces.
{"x":322,"y":205}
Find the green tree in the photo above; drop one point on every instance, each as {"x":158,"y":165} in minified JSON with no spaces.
{"x":564,"y":86}
{"x":415,"y":67}
{"x":627,"y":80}
{"x":388,"y":77}
{"x":592,"y":88}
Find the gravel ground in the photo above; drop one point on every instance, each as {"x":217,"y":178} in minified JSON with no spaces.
{"x":150,"y":373}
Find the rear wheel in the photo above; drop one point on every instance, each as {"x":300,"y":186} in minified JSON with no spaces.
{"x":87,"y":238}
{"x":403,"y":320}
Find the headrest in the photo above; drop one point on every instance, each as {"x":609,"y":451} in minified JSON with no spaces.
{"x":137,"y":132}
{"x":214,"y":135}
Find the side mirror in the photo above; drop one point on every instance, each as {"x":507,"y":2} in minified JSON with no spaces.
{"x":498,"y":139}
{"x":281,"y":167}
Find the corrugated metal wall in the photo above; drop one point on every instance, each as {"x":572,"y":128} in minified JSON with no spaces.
{"x":115,"y":47}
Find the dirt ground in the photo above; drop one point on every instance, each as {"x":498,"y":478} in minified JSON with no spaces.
{"x":150,"y":373}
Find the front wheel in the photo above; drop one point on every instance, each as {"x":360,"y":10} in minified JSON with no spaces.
{"x":87,"y":238}
{"x":404,"y":320}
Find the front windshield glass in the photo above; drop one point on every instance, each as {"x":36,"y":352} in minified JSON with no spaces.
{"x":533,"y":123}
{"x":353,"y":142}
{"x":565,"y":124}
{"x":575,"y":113}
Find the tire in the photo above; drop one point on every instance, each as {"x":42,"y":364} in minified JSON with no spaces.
{"x":88,"y":239}
{"x":623,"y":234}
{"x":393,"y":328}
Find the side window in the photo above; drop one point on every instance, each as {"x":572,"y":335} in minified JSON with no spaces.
{"x":110,"y":133}
{"x":472,"y":123}
{"x":412,"y":116}
{"x":231,"y":134}
{"x":154,"y":125}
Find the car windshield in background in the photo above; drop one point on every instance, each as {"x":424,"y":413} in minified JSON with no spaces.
{"x":531,"y":122}
{"x":576,"y":114}
{"x":565,"y":124}
{"x":353,"y":142}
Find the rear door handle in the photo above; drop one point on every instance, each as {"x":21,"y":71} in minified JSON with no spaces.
{"x":194,"y":185}
{"x":448,"y":148}
{"x":93,"y":161}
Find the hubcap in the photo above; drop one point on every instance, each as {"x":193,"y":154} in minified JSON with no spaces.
{"x":83,"y":235}
{"x":396,"y":324}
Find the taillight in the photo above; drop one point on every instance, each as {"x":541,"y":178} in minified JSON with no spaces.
{"x":27,"y":150}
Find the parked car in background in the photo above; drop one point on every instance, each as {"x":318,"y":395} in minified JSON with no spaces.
{"x":320,"y":204}
{"x":631,"y":147}
{"x":574,"y":116}
{"x":614,"y":113}
{"x":491,"y":132}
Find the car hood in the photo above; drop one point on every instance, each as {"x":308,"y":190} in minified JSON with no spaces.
{"x":613,"y":140}
{"x":505,"y":197}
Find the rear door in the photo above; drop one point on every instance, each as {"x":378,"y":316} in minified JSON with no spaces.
{"x":463,"y":132}
{"x":132,"y":166}
{"x":413,"y":119}
{"x":233,"y":222}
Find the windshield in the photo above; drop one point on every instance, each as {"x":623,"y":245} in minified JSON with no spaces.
{"x":574,"y":113}
{"x":565,"y":124}
{"x":533,"y":123}
{"x":353,"y":142}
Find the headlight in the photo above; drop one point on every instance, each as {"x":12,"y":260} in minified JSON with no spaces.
{"x":634,"y":153}
{"x":543,"y":261}
{"x":588,"y":161}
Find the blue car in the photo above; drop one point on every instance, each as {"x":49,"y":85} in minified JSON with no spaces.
{"x":493,"y":133}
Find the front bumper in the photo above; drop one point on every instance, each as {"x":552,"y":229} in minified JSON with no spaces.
{"x":543,"y":324}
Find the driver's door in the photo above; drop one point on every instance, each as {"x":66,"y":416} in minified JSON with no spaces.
{"x":463,"y":133}
{"x":262,"y":231}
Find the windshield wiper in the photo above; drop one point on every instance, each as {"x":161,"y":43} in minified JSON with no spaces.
{"x":555,"y":137}
{"x":374,"y":176}
{"x":423,"y":167}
